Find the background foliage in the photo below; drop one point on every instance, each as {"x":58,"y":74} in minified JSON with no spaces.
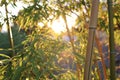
{"x":37,"y":48}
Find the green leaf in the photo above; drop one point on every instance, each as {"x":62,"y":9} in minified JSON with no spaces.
{"x":5,"y":61}
{"x":36,"y":72}
{"x":8,"y":72}
{"x":2,"y":68}
{"x":2,"y":2}
{"x":18,"y":72}
{"x":3,"y":55}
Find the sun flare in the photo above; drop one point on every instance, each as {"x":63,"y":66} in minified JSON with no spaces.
{"x":58,"y":25}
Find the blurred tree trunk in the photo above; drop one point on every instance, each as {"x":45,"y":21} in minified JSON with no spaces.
{"x":9,"y":30}
{"x":92,"y":28}
{"x":111,"y":41}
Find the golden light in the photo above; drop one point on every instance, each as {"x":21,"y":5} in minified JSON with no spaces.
{"x":58,"y":25}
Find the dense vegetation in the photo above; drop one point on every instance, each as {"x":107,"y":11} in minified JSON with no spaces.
{"x":29,"y":51}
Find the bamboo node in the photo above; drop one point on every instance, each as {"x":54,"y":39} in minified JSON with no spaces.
{"x":92,"y":27}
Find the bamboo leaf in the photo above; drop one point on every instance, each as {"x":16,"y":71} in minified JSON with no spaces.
{"x":3,"y":55}
{"x":17,"y":73}
{"x":5,"y":61}
{"x":2,"y":68}
{"x":36,"y":72}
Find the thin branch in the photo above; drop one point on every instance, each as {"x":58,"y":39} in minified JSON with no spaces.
{"x":9,"y":31}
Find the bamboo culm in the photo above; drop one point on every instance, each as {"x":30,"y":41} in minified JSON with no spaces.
{"x":9,"y":31}
{"x":111,"y":41}
{"x":92,"y":29}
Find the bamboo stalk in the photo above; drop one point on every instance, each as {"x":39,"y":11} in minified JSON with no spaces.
{"x":111,"y":41}
{"x":70,"y":37}
{"x":99,"y":49}
{"x":99,"y":46}
{"x":72,"y":44}
{"x":92,"y":28}
{"x":9,"y":31}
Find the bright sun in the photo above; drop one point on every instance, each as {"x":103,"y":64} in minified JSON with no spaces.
{"x":59,"y":25}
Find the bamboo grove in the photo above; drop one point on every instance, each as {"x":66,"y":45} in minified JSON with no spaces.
{"x":89,"y":49}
